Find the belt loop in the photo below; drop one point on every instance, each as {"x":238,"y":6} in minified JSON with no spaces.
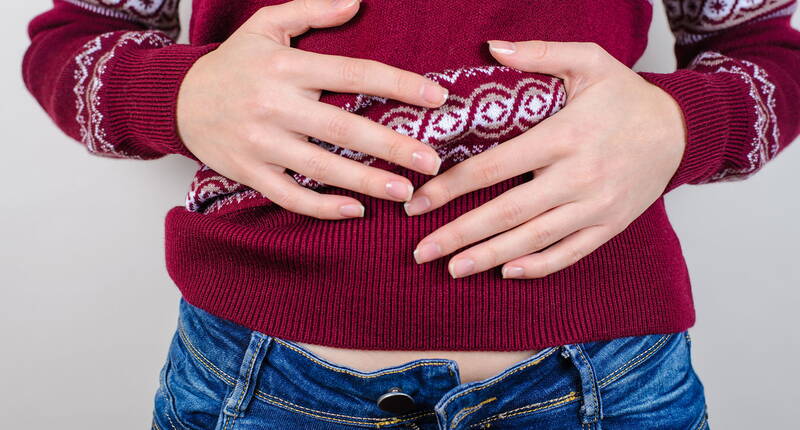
{"x":239,"y":399}
{"x":591,"y":408}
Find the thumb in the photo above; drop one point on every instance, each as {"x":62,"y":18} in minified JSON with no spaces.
{"x":283,"y":21}
{"x":566,"y":60}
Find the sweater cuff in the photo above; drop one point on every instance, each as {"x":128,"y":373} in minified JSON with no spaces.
{"x":143,"y":85}
{"x":719,"y":117}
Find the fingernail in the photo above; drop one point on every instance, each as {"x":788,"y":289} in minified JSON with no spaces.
{"x":400,"y":190}
{"x":513,"y":272}
{"x":342,"y":4}
{"x":426,"y":162}
{"x":435,"y":94}
{"x":461,"y":267}
{"x":417,"y":205}
{"x":502,"y":47}
{"x":351,"y":210}
{"x":427,"y":252}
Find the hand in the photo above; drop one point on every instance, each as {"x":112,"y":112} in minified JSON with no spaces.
{"x":598,"y":164}
{"x":247,"y":108}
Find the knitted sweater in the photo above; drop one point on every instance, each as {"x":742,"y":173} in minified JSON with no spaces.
{"x":108,"y":71}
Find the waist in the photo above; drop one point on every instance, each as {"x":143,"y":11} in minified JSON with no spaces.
{"x":472,"y":365}
{"x":354,"y":284}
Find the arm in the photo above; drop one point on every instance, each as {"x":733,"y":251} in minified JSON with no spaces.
{"x":623,"y":139}
{"x":737,"y":83}
{"x":109,"y":75}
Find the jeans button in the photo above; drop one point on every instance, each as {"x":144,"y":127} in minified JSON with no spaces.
{"x":396,"y":401}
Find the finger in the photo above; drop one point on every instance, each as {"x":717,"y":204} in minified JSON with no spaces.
{"x":562,"y":59}
{"x":565,"y":253}
{"x":284,"y":191}
{"x":333,"y":169}
{"x":522,"y":154}
{"x":354,"y":75}
{"x":283,"y":21}
{"x":508,"y":210}
{"x":536,"y":234}
{"x":334,"y":125}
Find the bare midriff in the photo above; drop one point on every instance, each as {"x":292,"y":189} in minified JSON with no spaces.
{"x":472,"y":365}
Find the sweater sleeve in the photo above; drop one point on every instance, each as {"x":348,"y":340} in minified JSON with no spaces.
{"x":108,"y":73}
{"x":737,"y":83}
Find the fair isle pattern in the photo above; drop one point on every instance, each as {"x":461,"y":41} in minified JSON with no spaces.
{"x":153,"y":14}
{"x":208,"y":185}
{"x":694,"y":20}
{"x":487,"y":105}
{"x":765,"y":144}
{"x":91,"y":64}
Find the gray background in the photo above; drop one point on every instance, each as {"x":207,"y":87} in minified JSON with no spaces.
{"x":87,"y":308}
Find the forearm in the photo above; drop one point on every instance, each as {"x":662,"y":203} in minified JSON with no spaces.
{"x":108,"y":78}
{"x":738,"y":86}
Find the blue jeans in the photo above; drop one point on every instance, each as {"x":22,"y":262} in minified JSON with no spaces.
{"x":220,"y":375}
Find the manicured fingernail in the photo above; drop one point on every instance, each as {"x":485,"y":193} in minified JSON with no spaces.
{"x":400,"y":190}
{"x":426,"y":162}
{"x":417,"y":205}
{"x":461,"y":267}
{"x":427,"y":252}
{"x":502,"y":46}
{"x":342,"y":4}
{"x":435,"y":94}
{"x":352,"y":210}
{"x":513,"y":272}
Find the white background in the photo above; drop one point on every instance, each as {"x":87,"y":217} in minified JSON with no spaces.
{"x":87,"y":309}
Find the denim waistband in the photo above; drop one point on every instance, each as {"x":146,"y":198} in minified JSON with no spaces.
{"x":283,"y":374}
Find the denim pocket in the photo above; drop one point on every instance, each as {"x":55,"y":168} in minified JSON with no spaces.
{"x":190,"y":396}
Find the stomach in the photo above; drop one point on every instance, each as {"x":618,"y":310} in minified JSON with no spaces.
{"x":472,"y":365}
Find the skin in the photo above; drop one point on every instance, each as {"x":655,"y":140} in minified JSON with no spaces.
{"x":247,"y":108}
{"x":598,"y":163}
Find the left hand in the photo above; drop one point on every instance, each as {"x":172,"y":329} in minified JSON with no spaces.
{"x":598,"y":164}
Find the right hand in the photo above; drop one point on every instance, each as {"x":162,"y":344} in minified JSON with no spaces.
{"x":247,"y":108}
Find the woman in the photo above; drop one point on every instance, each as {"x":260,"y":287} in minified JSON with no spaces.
{"x":536,"y":164}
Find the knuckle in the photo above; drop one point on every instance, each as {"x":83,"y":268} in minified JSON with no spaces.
{"x":510,"y":214}
{"x":455,"y":236}
{"x":281,"y":62}
{"x":319,"y":166}
{"x":437,"y":191}
{"x":491,"y":256}
{"x":338,"y":128}
{"x":596,"y":53}
{"x":285,"y":199}
{"x":353,"y":72}
{"x":540,"y":237}
{"x":487,"y":174}
{"x":402,"y":83}
{"x":395,"y":149}
{"x":574,"y":254}
{"x":584,"y":178}
{"x":365,"y":185}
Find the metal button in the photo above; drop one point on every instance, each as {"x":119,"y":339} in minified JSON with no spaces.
{"x":396,"y":401}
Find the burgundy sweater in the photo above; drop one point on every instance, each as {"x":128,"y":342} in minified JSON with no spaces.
{"x":108,"y":72}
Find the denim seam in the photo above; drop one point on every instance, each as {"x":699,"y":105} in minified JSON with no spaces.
{"x":246,"y":384}
{"x":203,"y":360}
{"x":595,"y":390}
{"x":625,"y":368}
{"x":169,"y":406}
{"x":467,"y":411}
{"x":360,"y":375}
{"x":155,"y":425}
{"x":558,"y":401}
{"x":377,"y":424}
{"x":481,"y":387}
{"x":703,"y":422}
